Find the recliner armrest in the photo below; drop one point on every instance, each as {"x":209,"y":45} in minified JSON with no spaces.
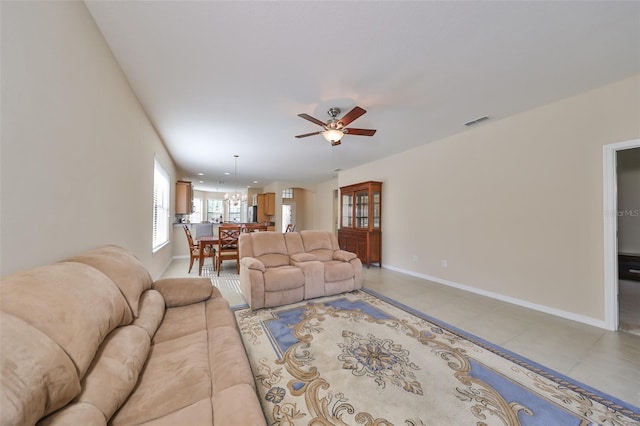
{"x":252,"y":263}
{"x":343,"y":255}
{"x":303,"y":257}
{"x":183,"y":291}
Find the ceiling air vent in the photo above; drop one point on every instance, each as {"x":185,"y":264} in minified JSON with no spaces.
{"x":476,"y":121}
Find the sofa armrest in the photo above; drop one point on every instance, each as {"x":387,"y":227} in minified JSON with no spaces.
{"x":183,"y":291}
{"x":253,"y":263}
{"x":343,"y":255}
{"x":303,"y":257}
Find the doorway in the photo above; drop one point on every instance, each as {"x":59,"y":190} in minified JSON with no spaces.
{"x":628,"y":216}
{"x":288,"y":214}
{"x":618,"y":294}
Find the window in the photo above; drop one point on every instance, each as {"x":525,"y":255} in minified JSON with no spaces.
{"x":161,"y":206}
{"x":234,"y":212}
{"x":196,"y":216}
{"x":287,"y":193}
{"x":215,"y":209}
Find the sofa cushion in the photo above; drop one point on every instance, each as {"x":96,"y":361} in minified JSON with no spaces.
{"x":268,"y":242}
{"x":218,"y":314}
{"x":227,"y":359}
{"x":283,"y":278}
{"x":315,"y":240}
{"x":294,"y":242}
{"x":37,"y":376}
{"x":75,"y":414}
{"x":303,"y":257}
{"x":180,"y":321}
{"x":184,"y":291}
{"x":199,"y":413}
{"x":177,"y":374}
{"x":115,"y":369}
{"x":74,"y":304}
{"x":273,"y":260}
{"x":231,"y":401}
{"x":123,"y":268}
{"x":151,"y":312}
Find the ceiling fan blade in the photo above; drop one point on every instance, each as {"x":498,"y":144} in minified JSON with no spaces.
{"x":360,"y":132}
{"x":351,"y":115}
{"x":311,"y":119}
{"x":308,"y":134}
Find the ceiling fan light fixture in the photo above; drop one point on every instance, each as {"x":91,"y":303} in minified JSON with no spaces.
{"x":333,"y":135}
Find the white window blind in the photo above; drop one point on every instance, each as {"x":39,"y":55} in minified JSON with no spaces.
{"x":161,"y":206}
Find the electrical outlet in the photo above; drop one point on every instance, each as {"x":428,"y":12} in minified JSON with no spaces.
{"x":444,"y":263}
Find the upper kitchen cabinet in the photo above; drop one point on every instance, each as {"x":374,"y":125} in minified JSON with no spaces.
{"x":184,"y":197}
{"x":266,"y":206}
{"x":270,"y":203}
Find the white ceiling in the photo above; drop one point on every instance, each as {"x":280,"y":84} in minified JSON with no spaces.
{"x":219,"y":78}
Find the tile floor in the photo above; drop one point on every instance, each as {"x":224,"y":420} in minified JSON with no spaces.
{"x":608,"y":361}
{"x":629,"y":305}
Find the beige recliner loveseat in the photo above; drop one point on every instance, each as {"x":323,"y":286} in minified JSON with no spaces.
{"x":93,"y":341}
{"x":282,"y":268}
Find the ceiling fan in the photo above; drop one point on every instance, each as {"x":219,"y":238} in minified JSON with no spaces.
{"x":336,"y":128}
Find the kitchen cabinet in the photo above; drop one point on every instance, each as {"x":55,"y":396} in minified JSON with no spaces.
{"x":262,"y":215}
{"x":361,"y":221}
{"x":270,"y":203}
{"x":184,"y":197}
{"x":266,"y":206}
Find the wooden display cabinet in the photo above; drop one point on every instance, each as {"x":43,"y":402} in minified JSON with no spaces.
{"x":184,"y":197}
{"x":361,"y":221}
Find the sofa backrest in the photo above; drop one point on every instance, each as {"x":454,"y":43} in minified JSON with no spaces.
{"x":54,"y":319}
{"x":124,"y":269}
{"x":68,"y":333}
{"x":274,"y":248}
{"x":322,"y":244}
{"x":268,"y":247}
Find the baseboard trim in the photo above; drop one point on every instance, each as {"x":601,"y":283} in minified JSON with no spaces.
{"x":161,"y":274}
{"x":526,"y":304}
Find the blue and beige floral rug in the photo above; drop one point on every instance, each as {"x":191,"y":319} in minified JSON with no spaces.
{"x":355,"y":359}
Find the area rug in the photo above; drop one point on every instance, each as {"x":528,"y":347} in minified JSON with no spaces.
{"x":356,"y":359}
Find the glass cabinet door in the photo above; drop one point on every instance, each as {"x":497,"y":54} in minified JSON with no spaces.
{"x":347,"y":210}
{"x":362,"y":210}
{"x":376,"y":209}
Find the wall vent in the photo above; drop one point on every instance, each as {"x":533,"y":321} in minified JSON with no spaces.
{"x":476,"y":121}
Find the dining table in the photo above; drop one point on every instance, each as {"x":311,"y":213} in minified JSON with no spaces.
{"x":206,"y":241}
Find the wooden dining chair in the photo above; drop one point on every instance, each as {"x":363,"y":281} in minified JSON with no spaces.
{"x":255,"y":227}
{"x":194,"y":251}
{"x":228,"y":245}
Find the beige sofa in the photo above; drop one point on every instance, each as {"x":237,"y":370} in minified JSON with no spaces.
{"x":93,"y":341}
{"x":282,"y":268}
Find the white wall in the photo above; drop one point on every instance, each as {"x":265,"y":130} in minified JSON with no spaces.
{"x":629,"y":201}
{"x":514,"y":206}
{"x":77,"y":148}
{"x":325,"y":217}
